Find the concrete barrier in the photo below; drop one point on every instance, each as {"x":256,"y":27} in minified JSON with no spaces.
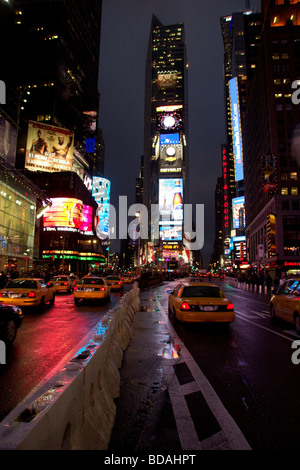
{"x":75,"y":408}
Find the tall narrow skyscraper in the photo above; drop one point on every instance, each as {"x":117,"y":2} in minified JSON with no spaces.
{"x":166,"y":139}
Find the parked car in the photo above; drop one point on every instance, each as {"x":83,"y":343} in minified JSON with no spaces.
{"x":27,"y":292}
{"x":285,"y":303}
{"x":200,"y":302}
{"x":61,"y":283}
{"x":115,"y":282}
{"x":91,"y":288}
{"x":11,"y":318}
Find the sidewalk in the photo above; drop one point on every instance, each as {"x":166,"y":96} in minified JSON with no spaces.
{"x":165,"y":402}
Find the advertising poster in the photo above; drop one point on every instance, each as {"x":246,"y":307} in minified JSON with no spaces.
{"x":170,"y":199}
{"x":68,"y":214}
{"x":8,"y":141}
{"x":236,"y":129}
{"x":166,"y":80}
{"x":49,"y":148}
{"x":170,"y":153}
{"x":238,"y":212}
{"x":101,"y":193}
{"x":170,"y":232}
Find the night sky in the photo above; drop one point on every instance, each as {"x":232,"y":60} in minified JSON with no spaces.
{"x":124,"y":42}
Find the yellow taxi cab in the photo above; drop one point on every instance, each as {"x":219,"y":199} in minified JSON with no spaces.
{"x":61,"y":283}
{"x":115,"y":282}
{"x":127,"y":278}
{"x":27,"y":292}
{"x":285,"y":303}
{"x":200,"y":302}
{"x":91,"y":288}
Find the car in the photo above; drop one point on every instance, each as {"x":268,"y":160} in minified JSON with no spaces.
{"x":91,"y":288}
{"x":27,"y":292}
{"x":61,"y":283}
{"x":285,"y":303}
{"x":127,"y":278}
{"x":200,"y":302}
{"x":11,"y":318}
{"x":115,"y":282}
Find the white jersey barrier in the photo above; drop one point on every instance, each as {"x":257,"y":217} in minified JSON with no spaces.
{"x":75,"y":409}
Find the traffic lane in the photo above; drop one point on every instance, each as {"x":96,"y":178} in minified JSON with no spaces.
{"x":249,"y":366}
{"x":46,"y":339}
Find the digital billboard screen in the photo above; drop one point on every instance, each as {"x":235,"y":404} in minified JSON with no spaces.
{"x":169,"y":139}
{"x":238,"y":212}
{"x":68,"y":214}
{"x":48,"y":148}
{"x":101,"y":193}
{"x":170,"y":199}
{"x":171,"y":232}
{"x":236,"y":129}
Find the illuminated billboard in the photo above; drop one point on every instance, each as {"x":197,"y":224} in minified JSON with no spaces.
{"x":166,"y":80}
{"x":101,"y":193}
{"x":8,"y":141}
{"x":171,"y":232}
{"x":238,"y":212}
{"x":169,"y":139}
{"x":68,"y":215}
{"x":170,"y":199}
{"x":236,"y":129}
{"x":49,"y":148}
{"x":169,"y":118}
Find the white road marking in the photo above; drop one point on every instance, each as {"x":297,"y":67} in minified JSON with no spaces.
{"x":231,"y":437}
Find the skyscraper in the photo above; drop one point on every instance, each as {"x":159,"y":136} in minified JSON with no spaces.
{"x":166,"y":137}
{"x":271,"y":142}
{"x":241,"y":36}
{"x":54,"y":58}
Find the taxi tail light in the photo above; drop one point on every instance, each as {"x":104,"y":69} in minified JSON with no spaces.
{"x":230,"y":306}
{"x":31,"y":294}
{"x":102,"y":288}
{"x":185,"y":306}
{"x":75,"y":288}
{"x":65,"y":283}
{"x":119,"y":282}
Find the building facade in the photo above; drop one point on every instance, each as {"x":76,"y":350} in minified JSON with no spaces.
{"x":166,"y":141}
{"x":271,"y":143}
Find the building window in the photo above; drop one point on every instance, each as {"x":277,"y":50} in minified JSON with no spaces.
{"x":284,"y":191}
{"x":294,"y":191}
{"x":293,"y":175}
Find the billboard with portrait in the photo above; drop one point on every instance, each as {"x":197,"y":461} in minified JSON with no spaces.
{"x":49,"y":148}
{"x":101,"y":193}
{"x":68,"y":215}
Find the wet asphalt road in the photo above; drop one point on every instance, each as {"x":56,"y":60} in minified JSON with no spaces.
{"x":45,"y":340}
{"x":248,"y":366}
